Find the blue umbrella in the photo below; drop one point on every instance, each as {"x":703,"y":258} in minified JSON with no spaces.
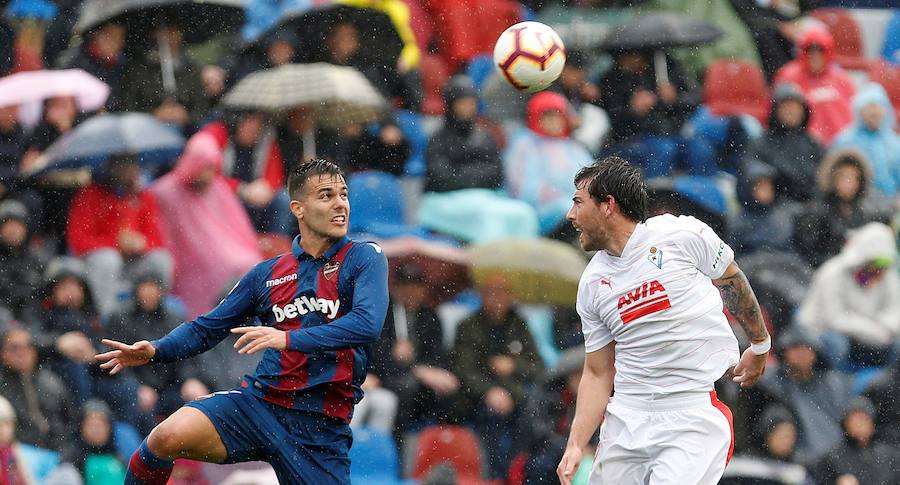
{"x":90,"y":143}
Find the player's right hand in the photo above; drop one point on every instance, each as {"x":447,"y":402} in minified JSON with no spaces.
{"x":569,"y":464}
{"x":124,"y":355}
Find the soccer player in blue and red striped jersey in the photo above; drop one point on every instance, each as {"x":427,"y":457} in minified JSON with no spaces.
{"x":317,"y":309}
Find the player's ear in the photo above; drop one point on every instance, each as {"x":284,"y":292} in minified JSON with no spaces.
{"x":297,"y":209}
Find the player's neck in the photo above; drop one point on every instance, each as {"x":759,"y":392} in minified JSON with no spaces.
{"x":315,"y":245}
{"x":619,"y":237}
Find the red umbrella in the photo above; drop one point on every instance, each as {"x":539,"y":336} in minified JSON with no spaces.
{"x":445,"y":267}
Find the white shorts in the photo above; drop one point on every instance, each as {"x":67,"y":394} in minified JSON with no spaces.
{"x":686,"y":439}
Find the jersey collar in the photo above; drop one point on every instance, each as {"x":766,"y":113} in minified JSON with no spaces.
{"x":299,"y":253}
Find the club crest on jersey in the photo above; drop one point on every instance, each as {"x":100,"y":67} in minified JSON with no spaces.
{"x":656,"y":257}
{"x":331,"y":269}
{"x":649,"y":298}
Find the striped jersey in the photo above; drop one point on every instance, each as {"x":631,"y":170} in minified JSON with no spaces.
{"x":332,"y":308}
{"x":658,"y":303}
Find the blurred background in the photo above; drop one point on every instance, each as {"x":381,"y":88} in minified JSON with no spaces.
{"x":145,"y":145}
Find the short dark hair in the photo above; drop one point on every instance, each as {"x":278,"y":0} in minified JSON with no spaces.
{"x":616,"y":177}
{"x":306,"y":170}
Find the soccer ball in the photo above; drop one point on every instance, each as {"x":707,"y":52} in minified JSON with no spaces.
{"x":530,"y":56}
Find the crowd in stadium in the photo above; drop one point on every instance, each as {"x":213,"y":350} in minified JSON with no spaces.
{"x":781,"y":134}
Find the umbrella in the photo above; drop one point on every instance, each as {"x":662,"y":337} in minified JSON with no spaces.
{"x":445,"y":266}
{"x":93,"y":141}
{"x":379,"y":39}
{"x":31,"y":88}
{"x":660,"y":30}
{"x":339,"y":95}
{"x":538,"y":270}
{"x":583,"y":27}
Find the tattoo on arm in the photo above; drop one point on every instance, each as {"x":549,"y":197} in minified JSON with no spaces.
{"x":742,"y":303}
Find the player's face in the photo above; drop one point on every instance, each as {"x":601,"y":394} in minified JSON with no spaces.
{"x":325,"y":208}
{"x":587,"y":215}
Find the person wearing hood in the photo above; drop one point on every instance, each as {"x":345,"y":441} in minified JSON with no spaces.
{"x":539,"y":163}
{"x":872,"y":132}
{"x":93,"y":451}
{"x":843,"y":202}
{"x":20,"y":266}
{"x":854,"y":299}
{"x":114,"y":226}
{"x":197,"y":207}
{"x":827,"y":87}
{"x":775,"y":461}
{"x":462,"y":154}
{"x":765,"y":220}
{"x":812,"y":393}
{"x":859,"y":459}
{"x":787,"y":147}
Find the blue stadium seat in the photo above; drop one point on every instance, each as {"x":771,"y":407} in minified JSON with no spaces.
{"x":373,"y":458}
{"x":376,"y":205}
{"x":891,"y":49}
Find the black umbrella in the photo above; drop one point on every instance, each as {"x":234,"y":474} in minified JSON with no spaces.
{"x":379,"y":40}
{"x":199,"y":20}
{"x":660,"y":30}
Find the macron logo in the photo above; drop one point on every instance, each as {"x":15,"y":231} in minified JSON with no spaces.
{"x":644,"y":300}
{"x":282,"y":280}
{"x":304,"y":305}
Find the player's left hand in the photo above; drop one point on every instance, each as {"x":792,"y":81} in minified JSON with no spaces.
{"x":254,"y":339}
{"x":750,"y":368}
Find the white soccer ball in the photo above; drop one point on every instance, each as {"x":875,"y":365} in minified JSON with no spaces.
{"x":530,"y":56}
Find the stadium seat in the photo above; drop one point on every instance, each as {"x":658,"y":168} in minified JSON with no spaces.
{"x":848,"y":44}
{"x":435,"y":74}
{"x":376,"y":201}
{"x":455,"y":446}
{"x":737,"y":87}
{"x":890,"y":51}
{"x":888,"y":75}
{"x":373,"y":458}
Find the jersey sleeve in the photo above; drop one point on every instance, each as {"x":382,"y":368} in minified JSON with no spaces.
{"x":204,"y":332}
{"x":596,"y":334}
{"x":704,"y":247}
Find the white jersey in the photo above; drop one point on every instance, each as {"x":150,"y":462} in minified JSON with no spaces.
{"x":658,"y":302}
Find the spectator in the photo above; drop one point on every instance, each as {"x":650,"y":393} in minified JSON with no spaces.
{"x":146,"y":89}
{"x":59,"y":116}
{"x":197,"y":206}
{"x":103,"y":54}
{"x":147,"y":316}
{"x":13,"y":468}
{"x":539,"y":162}
{"x":647,"y":116}
{"x":854,"y":300}
{"x":377,"y":146}
{"x":859,"y":459}
{"x":593,"y":125}
{"x":253,"y":164}
{"x":814,"y":395}
{"x":843,"y":203}
{"x":775,"y":461}
{"x":496,"y":358}
{"x":787,"y":146}
{"x":765,"y":221}
{"x":12,"y":147}
{"x":114,"y":225}
{"x":280,"y":48}
{"x":70,"y":336}
{"x":884,"y":392}
{"x":40,"y":396}
{"x":872,"y":132}
{"x":827,"y":88}
{"x":410,"y":358}
{"x":93,"y":452}
{"x":462,"y":154}
{"x":20,"y":267}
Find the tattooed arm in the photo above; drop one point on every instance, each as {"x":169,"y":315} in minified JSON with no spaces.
{"x":742,"y":304}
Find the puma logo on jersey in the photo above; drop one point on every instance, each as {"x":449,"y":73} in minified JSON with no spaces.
{"x":304,"y":305}
{"x":649,"y":298}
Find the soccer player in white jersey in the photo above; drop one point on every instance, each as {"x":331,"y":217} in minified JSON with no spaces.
{"x":654,"y":329}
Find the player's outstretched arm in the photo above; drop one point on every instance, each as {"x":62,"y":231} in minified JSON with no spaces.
{"x":124,"y":355}
{"x":590,"y":406}
{"x":742,"y":304}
